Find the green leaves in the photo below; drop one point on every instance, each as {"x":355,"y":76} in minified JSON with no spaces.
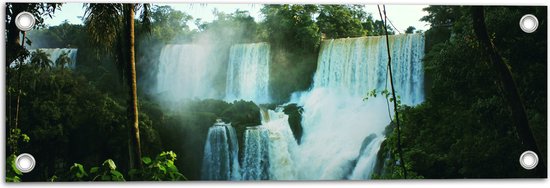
{"x":77,"y":173}
{"x":41,"y":60}
{"x":146,"y":160}
{"x":160,"y":169}
{"x":107,"y":172}
{"x":292,"y":26}
{"x":12,"y":173}
{"x":340,"y":21}
{"x":110,"y":164}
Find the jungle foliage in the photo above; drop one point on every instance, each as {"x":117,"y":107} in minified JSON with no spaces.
{"x":464,"y":129}
{"x":74,"y":121}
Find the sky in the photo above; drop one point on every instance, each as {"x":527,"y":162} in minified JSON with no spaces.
{"x":402,"y":16}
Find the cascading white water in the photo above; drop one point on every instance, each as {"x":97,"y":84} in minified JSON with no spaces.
{"x":342,"y":132}
{"x":367,"y":160}
{"x":282,"y":145}
{"x":256,"y":154}
{"x":55,"y":53}
{"x":221,"y":161}
{"x":186,"y":71}
{"x":336,"y":120}
{"x":248,"y":73}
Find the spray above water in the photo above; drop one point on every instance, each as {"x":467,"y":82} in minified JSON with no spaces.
{"x":185,"y":72}
{"x":190,"y":71}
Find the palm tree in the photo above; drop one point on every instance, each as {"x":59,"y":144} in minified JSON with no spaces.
{"x":63,"y":60}
{"x":111,"y":29}
{"x":41,"y":60}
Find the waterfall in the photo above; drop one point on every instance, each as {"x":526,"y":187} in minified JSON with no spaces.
{"x":336,"y":120}
{"x":342,"y":132}
{"x":186,"y":71}
{"x":269,"y":148}
{"x":367,"y":160}
{"x":248,"y":73}
{"x":282,"y":145}
{"x":358,"y":65}
{"x":256,"y":153}
{"x":221,"y":161}
{"x":54,"y":54}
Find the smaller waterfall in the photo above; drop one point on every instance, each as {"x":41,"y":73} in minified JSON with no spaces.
{"x":55,"y":53}
{"x":367,"y":159}
{"x":248,"y":73}
{"x":221,"y":161}
{"x":256,"y":154}
{"x":282,"y":145}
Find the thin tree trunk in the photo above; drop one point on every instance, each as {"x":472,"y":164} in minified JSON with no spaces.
{"x":509,"y":86}
{"x":399,"y":149}
{"x":133,"y":115}
{"x":16,"y":126}
{"x":18,"y":90}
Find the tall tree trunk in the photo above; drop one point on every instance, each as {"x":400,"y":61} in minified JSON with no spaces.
{"x":13,"y":43}
{"x":15,"y":148}
{"x":133,"y":100}
{"x":509,"y":86}
{"x":19,"y":88}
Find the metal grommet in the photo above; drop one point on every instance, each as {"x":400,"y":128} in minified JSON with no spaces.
{"x":528,"y":160}
{"x":24,"y":21}
{"x":25,"y":162}
{"x":528,"y":23}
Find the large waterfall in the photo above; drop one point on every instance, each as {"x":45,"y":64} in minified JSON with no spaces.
{"x":248,"y":72}
{"x":342,"y":128}
{"x":221,"y":161}
{"x":55,"y":53}
{"x":336,"y":119}
{"x":186,"y":71}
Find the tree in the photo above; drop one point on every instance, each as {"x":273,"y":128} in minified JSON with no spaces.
{"x":292,"y":27}
{"x":508,"y":85}
{"x":167,"y":23}
{"x":465,"y":95}
{"x":65,"y":35}
{"x":111,"y":27}
{"x":41,"y":60}
{"x":63,"y":60}
{"x":295,"y":39}
{"x":14,"y":47}
{"x":410,"y":30}
{"x":376,"y":27}
{"x":340,"y":21}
